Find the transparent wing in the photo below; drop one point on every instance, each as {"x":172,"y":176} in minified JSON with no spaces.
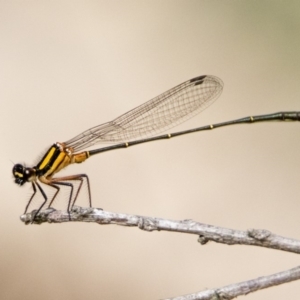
{"x":158,"y":114}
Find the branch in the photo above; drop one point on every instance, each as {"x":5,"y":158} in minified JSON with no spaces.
{"x":243,"y":288}
{"x":253,"y":237}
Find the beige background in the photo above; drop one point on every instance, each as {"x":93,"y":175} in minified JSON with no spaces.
{"x":70,"y":65}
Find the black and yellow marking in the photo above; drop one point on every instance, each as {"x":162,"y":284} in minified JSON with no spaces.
{"x":18,"y":174}
{"x":52,"y":158}
{"x":57,"y":158}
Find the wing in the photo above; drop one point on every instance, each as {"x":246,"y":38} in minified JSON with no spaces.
{"x":158,"y":114}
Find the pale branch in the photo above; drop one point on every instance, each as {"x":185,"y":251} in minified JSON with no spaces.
{"x":253,"y":237}
{"x":243,"y":288}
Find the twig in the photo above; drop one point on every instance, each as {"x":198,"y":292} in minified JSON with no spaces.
{"x":253,"y":237}
{"x":243,"y":288}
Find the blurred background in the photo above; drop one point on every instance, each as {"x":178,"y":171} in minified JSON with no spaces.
{"x":70,"y":65}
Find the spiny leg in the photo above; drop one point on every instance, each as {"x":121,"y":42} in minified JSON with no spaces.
{"x":75,"y":177}
{"x":70,"y":196}
{"x":78,"y":190}
{"x":80,"y":177}
{"x":34,"y":192}
{"x":45,"y":197}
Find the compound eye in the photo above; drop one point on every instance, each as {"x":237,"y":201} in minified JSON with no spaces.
{"x":18,"y":170}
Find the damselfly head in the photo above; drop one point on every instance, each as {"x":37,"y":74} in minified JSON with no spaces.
{"x":22,"y":174}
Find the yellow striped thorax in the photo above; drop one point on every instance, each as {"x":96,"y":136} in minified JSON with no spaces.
{"x":57,"y":158}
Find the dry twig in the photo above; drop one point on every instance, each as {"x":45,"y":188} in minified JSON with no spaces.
{"x":253,"y":237}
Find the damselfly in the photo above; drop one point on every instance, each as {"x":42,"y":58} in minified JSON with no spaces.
{"x":161,"y":113}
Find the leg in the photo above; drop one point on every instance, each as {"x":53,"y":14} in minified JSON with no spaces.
{"x":34,"y":191}
{"x":81,"y":176}
{"x":53,"y":182}
{"x":74,"y":177}
{"x":70,"y":196}
{"x":45,"y":197}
